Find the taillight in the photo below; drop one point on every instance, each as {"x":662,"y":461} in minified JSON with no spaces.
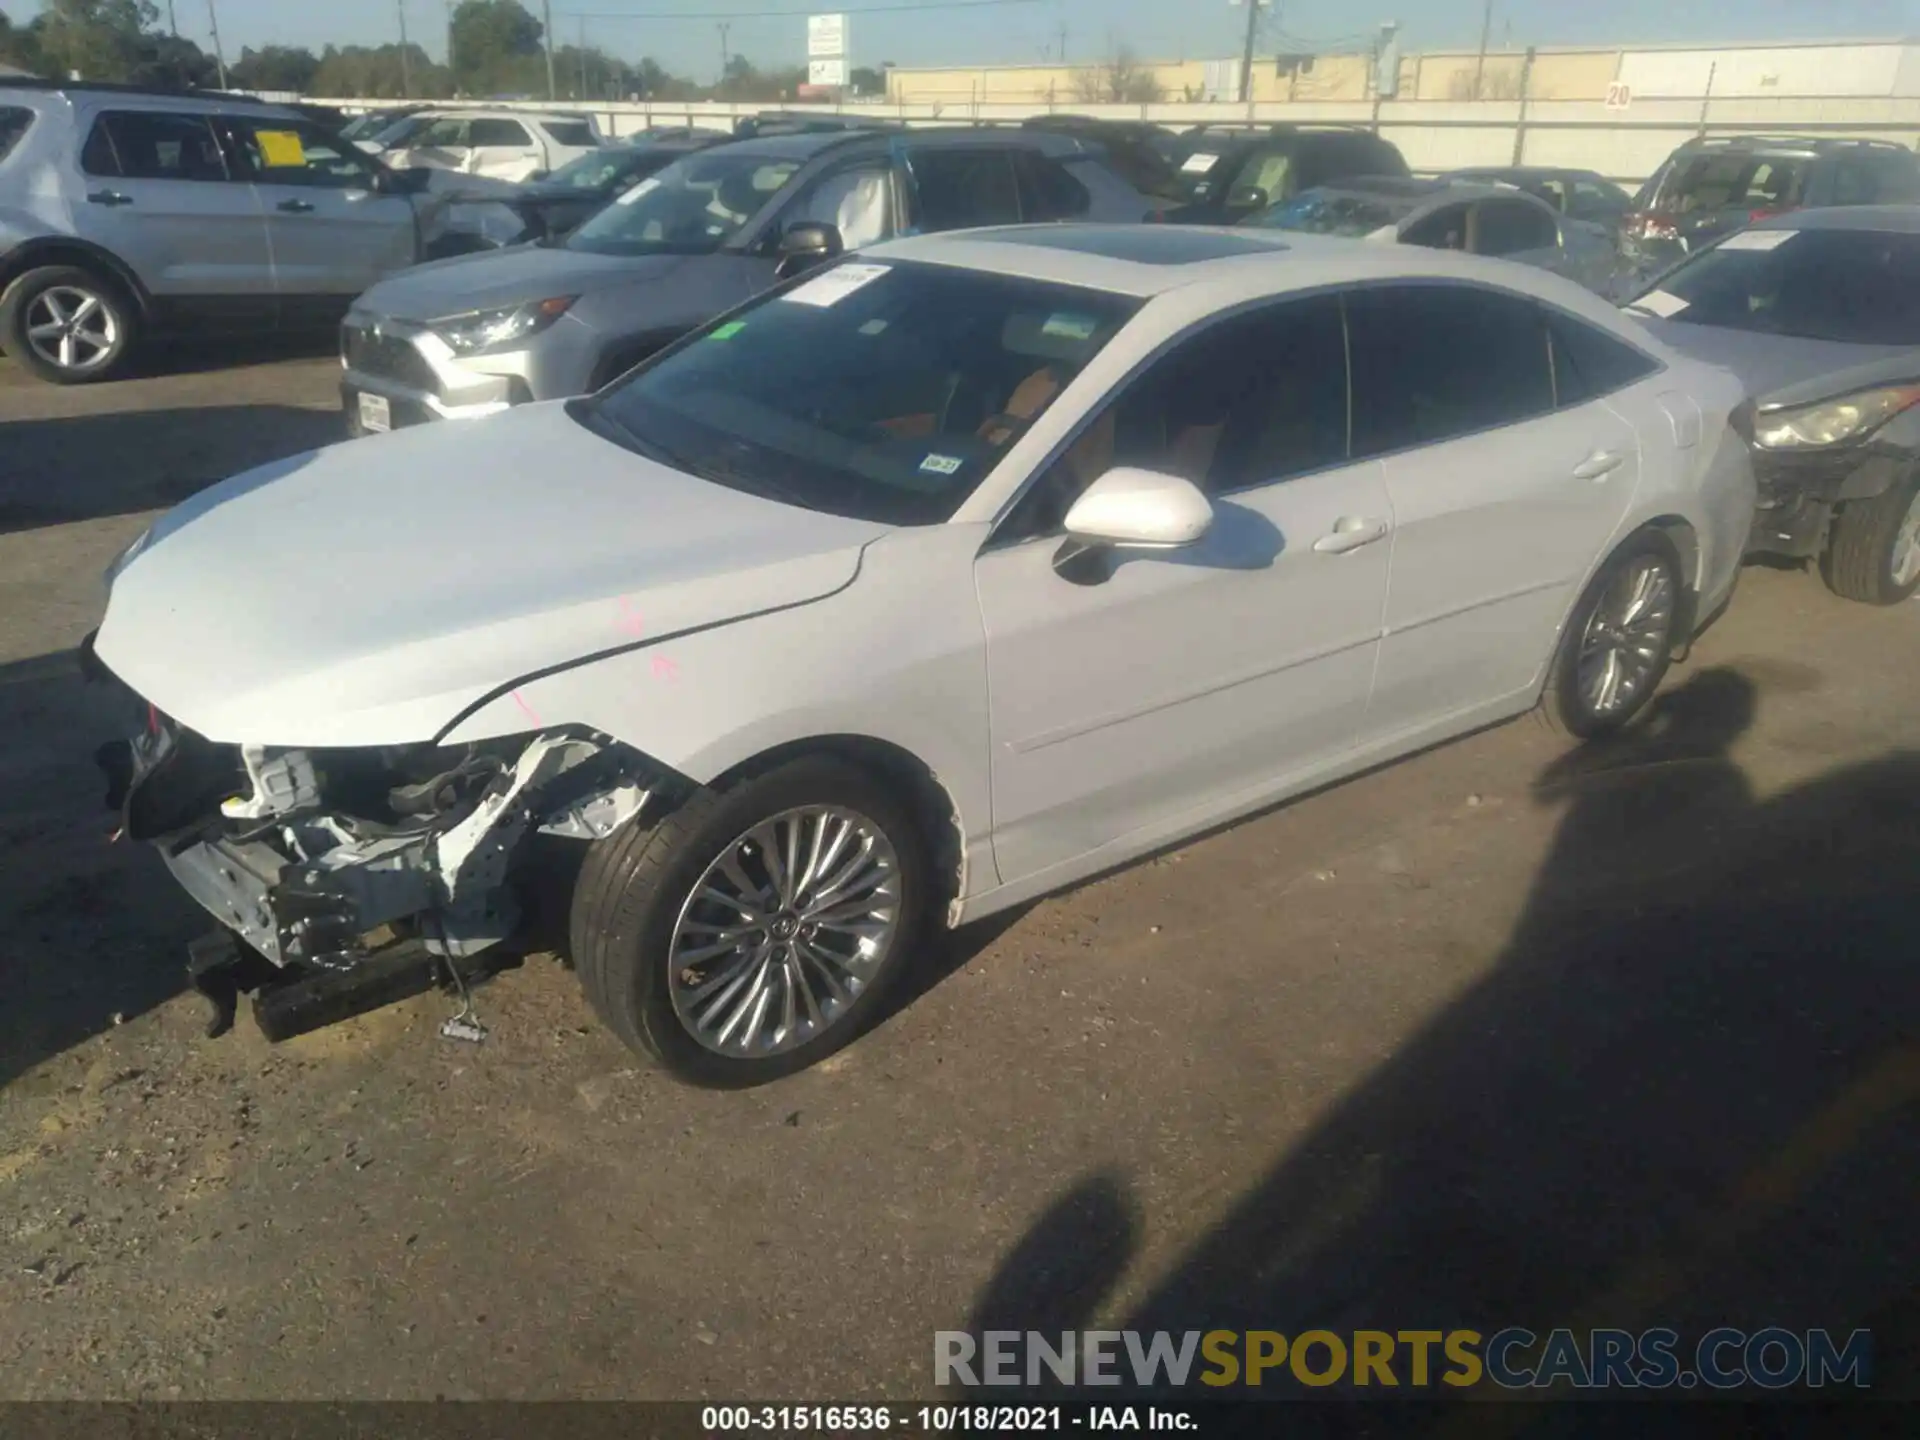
{"x":1765,"y":211}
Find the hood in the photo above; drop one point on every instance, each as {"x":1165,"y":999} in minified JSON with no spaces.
{"x":366,"y":593}
{"x":491,"y":279}
{"x":1766,"y":363}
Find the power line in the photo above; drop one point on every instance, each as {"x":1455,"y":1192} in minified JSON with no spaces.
{"x":710,"y":15}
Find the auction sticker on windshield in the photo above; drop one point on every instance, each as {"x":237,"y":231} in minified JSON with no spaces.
{"x":1660,"y":303}
{"x":834,"y":286}
{"x":1199,"y":163}
{"x":1758,"y":239}
{"x":645,"y":187}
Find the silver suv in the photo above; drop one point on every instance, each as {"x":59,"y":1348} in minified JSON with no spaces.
{"x":538,"y":322}
{"x":124,"y":213}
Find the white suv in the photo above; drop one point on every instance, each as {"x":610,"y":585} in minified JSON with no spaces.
{"x":505,"y":144}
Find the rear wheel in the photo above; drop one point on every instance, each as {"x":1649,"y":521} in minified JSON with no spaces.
{"x":1618,"y":641}
{"x":756,"y":929}
{"x":1874,"y":555}
{"x":66,"y":324}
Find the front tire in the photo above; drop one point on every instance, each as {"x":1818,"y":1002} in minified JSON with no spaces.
{"x":757,"y":928}
{"x":68,"y":325}
{"x":1618,"y":642}
{"x":1874,"y":555}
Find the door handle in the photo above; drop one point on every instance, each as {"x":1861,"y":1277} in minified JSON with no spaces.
{"x":1350,"y":532}
{"x":108,"y":197}
{"x":296,"y":207}
{"x":1598,"y":465}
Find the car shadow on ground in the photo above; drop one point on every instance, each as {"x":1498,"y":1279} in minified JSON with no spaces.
{"x":202,"y":356}
{"x":95,"y":932}
{"x":1684,"y":1096}
{"x":84,"y":467}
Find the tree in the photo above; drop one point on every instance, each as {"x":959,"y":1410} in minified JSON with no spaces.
{"x":20,"y":44}
{"x":168,"y":62}
{"x":375,"y":73}
{"x":865,"y":80}
{"x":1123,"y":80}
{"x":275,"y":67}
{"x":497,"y":49}
{"x":102,"y":39}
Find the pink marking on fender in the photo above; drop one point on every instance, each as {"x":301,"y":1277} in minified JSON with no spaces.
{"x":630,"y":619}
{"x":525,"y":708}
{"x":665,"y":669}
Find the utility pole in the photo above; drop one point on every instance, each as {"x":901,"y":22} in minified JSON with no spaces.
{"x":546,"y":33}
{"x":172,"y":24}
{"x":1480,"y":65}
{"x":453,"y":83}
{"x":406,"y":69}
{"x":219,"y":60}
{"x":725,"y":58}
{"x":1063,"y":44}
{"x":582,"y":47}
{"x":1246,"y":58}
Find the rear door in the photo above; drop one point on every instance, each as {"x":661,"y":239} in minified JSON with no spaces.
{"x":332,"y":233}
{"x":161,"y":194}
{"x":506,"y":150}
{"x":1502,"y":501}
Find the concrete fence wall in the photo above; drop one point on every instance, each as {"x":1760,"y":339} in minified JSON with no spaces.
{"x":1626,"y":145}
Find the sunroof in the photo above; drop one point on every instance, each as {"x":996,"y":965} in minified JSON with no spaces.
{"x":1146,"y":244}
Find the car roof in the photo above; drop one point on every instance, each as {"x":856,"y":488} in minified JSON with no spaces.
{"x":106,"y":96}
{"x":1415,"y":191}
{"x":1147,"y":260}
{"x":1888,"y":219}
{"x":1803,"y":145}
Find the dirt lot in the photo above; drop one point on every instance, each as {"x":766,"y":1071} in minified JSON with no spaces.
{"x":1500,"y":1035}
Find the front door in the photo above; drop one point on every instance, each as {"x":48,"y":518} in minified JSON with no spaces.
{"x":332,"y":233}
{"x":1161,"y":688}
{"x":159,"y":192}
{"x":1501,"y":501}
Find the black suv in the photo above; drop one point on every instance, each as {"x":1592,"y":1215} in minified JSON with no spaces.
{"x":1710,"y":188}
{"x":1229,"y":172}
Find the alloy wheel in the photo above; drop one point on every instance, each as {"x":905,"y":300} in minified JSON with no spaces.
{"x":1626,"y":637}
{"x":71,"y":328}
{"x":1906,"y":546}
{"x":783,"y":931}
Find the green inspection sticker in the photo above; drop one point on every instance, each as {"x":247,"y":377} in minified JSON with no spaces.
{"x":1065,"y":326}
{"x":728,"y":330}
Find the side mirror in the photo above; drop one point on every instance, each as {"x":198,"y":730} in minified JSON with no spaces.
{"x":805,"y":244}
{"x":1131,"y":509}
{"x":1248,"y":197}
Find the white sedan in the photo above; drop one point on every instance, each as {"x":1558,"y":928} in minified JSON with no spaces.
{"x":936,"y":580}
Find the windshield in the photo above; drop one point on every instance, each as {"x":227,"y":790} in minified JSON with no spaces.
{"x":692,"y":207}
{"x":604,"y":169}
{"x":1858,"y":287}
{"x":880,"y":392}
{"x":1323,"y":212}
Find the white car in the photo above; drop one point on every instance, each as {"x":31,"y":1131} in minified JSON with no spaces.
{"x":503,"y":144}
{"x":926,"y":584}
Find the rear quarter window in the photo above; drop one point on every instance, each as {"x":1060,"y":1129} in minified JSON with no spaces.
{"x":14,"y":122}
{"x":574,"y":134}
{"x":1047,"y":190}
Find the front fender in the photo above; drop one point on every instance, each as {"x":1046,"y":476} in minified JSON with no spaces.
{"x":898,"y":656}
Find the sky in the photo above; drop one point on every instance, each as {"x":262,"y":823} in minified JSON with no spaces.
{"x":684,"y":35}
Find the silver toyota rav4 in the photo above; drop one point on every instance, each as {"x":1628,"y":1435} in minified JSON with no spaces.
{"x":126,"y":212}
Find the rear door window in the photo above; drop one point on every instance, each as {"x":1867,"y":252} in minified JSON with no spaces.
{"x":1513,"y":227}
{"x":14,"y":121}
{"x":959,"y":189}
{"x":574,"y":134}
{"x":1433,"y":362}
{"x":152,"y":145}
{"x":1589,"y":363}
{"x":1444,"y":229}
{"x":506,"y":133}
{"x":1047,"y":191}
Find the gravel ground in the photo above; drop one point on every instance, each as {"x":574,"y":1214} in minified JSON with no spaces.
{"x":1504,"y":1034}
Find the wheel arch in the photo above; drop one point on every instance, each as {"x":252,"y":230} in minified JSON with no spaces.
{"x":70,"y":250}
{"x":1685,"y":539}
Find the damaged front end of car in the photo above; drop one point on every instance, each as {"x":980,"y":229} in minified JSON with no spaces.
{"x":359,"y":876}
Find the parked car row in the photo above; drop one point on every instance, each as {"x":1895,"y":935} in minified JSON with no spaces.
{"x":872,"y":592}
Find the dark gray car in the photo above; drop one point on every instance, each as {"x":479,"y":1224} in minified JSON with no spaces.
{"x":1819,"y":313}
{"x":471,"y":336}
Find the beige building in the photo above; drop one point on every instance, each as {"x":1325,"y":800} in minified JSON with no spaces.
{"x":1824,"y":71}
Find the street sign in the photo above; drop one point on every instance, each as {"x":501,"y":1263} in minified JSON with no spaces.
{"x":831,"y":72}
{"x":826,"y":36}
{"x":1619,"y":95}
